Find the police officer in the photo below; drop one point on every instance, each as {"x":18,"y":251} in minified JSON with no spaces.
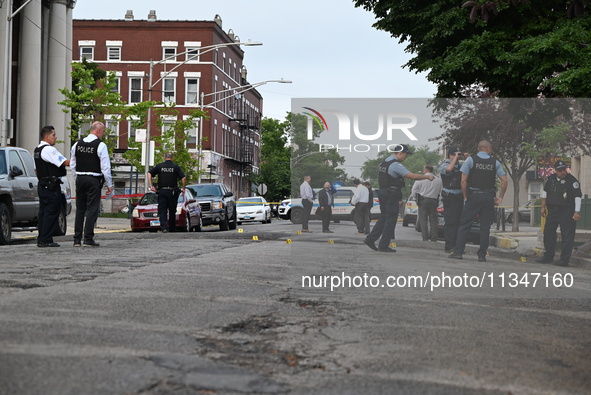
{"x":49,"y":165}
{"x":168,"y":190}
{"x":561,"y":202}
{"x":391,"y":181}
{"x":91,"y":167}
{"x":453,"y":199}
{"x":479,"y":173}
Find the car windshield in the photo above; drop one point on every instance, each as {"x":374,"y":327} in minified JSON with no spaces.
{"x":249,"y":202}
{"x":206,"y":190}
{"x":149,"y":198}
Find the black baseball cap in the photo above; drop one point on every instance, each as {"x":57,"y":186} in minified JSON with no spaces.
{"x":559,"y":165}
{"x":403,"y":148}
{"x":453,"y":150}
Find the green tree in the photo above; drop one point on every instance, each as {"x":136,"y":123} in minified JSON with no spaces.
{"x":275,"y":156}
{"x":93,"y":96}
{"x":523,"y":49}
{"x":307,"y":159}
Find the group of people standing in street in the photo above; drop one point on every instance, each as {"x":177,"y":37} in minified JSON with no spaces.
{"x":468,"y":189}
{"x":91,"y":169}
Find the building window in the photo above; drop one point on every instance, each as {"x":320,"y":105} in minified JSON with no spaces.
{"x":192,"y":91}
{"x":169,"y":53}
{"x":113,"y":127}
{"x":115,"y":88}
{"x":191,"y":141}
{"x":87,"y":53}
{"x":135,"y":90}
{"x":114,"y":53}
{"x":169,"y":91}
{"x":192,"y":54}
{"x":131,"y":133}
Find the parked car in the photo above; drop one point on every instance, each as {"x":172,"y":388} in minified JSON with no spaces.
{"x":145,"y":214}
{"x":253,"y":209}
{"x":19,"y":201}
{"x":523,"y":212}
{"x":293,"y":210}
{"x":218,"y":206}
{"x":411,"y":212}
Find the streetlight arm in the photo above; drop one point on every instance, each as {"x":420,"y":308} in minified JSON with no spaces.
{"x":239,"y":90}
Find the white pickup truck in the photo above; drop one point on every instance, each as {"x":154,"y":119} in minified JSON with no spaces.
{"x":293,"y":210}
{"x":19,"y":201}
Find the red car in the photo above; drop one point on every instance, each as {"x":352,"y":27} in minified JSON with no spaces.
{"x":145,"y":215}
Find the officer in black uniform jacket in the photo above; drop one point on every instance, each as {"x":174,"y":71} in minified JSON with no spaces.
{"x":91,"y":167}
{"x":479,"y":174}
{"x":50,"y":165}
{"x":561,"y":202}
{"x":168,"y":190}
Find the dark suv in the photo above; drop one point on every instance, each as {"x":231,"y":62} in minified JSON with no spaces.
{"x":218,"y":206}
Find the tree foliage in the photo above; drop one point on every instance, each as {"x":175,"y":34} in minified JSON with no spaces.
{"x":275,"y":157}
{"x":93,"y":97}
{"x":307,"y":159}
{"x":519,"y":49}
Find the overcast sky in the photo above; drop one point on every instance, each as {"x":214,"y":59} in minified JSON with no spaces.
{"x":328,"y":48}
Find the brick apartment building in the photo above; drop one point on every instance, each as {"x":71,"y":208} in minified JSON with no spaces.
{"x":192,"y":70}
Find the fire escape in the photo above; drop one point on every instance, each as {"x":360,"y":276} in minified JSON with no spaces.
{"x":242,"y":154}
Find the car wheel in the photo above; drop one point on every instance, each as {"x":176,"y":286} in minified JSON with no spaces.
{"x":62,"y":226}
{"x":297,"y":215}
{"x":239,"y":223}
{"x":264,"y":221}
{"x":188,"y":223}
{"x":233,"y":223}
{"x":404,"y":222}
{"x":224,"y":225}
{"x":197,"y":227}
{"x":270,"y":218}
{"x":5,"y":225}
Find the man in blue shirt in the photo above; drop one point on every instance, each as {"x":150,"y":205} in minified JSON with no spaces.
{"x":391,"y":181}
{"x":479,"y":174}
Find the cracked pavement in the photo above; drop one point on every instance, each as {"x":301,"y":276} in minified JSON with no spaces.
{"x":220,"y":313}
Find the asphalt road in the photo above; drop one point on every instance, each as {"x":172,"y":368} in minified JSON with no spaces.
{"x":219,"y":312}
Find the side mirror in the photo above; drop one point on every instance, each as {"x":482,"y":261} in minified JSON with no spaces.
{"x":228,"y":194}
{"x":191,"y":201}
{"x":15,"y":171}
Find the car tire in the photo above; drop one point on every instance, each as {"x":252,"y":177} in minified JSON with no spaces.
{"x":264,"y":221}
{"x":224,"y":225}
{"x":5,"y":225}
{"x":239,"y":223}
{"x":270,"y":218}
{"x":405,"y":222}
{"x":62,"y":226}
{"x":296,"y":215}
{"x":198,"y":227}
{"x":187,"y":224}
{"x":233,"y":223}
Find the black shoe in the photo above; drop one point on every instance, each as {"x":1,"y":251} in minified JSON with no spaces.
{"x":544,"y":259}
{"x":77,"y":243}
{"x":327,"y":231}
{"x":91,"y":243}
{"x":387,"y":249}
{"x":370,"y":244}
{"x":43,"y":245}
{"x":453,"y":255}
{"x":164,"y":231}
{"x":560,"y":262}
{"x":481,"y":257}
{"x":448,"y":251}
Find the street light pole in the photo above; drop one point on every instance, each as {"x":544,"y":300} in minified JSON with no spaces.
{"x":151,"y":86}
{"x":238,"y":90}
